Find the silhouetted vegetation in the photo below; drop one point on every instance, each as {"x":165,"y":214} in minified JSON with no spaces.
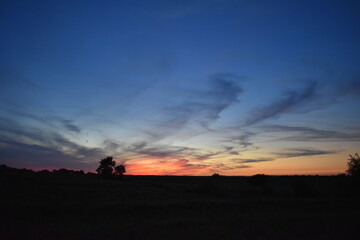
{"x":66,"y":204}
{"x":106,"y":167}
{"x":109,"y":170}
{"x":9,"y":170}
{"x":120,"y":170}
{"x":5,"y":170}
{"x":354,"y":165}
{"x":67,"y":171}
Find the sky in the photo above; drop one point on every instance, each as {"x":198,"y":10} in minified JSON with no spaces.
{"x":234,"y":87}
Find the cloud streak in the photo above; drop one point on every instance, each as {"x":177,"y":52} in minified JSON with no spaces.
{"x":302,"y":152}
{"x":162,"y":151}
{"x":206,"y":107}
{"x":254,"y":160}
{"x":242,"y":140}
{"x":202,"y":108}
{"x":350,"y":88}
{"x":34,"y":146}
{"x":291,"y":101}
{"x":49,"y":120}
{"x":311,"y":134}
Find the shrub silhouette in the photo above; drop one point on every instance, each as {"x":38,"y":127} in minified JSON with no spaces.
{"x":64,"y":171}
{"x":120,"y":170}
{"x":354,"y":165}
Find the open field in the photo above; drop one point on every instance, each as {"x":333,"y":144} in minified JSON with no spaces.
{"x":74,"y":206}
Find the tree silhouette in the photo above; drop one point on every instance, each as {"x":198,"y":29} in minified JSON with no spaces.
{"x":106,"y":167}
{"x":354,"y":165}
{"x":120,"y":170}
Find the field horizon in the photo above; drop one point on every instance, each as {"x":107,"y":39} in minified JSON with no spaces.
{"x":71,"y":205}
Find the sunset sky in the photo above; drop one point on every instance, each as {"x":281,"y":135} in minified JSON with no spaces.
{"x":181,"y":87}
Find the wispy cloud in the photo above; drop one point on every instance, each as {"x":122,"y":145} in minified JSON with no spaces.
{"x":49,"y":120}
{"x":291,"y":101}
{"x":162,"y":151}
{"x":224,"y":167}
{"x":311,"y":134}
{"x":130,"y":152}
{"x":242,"y":140}
{"x":231,"y":150}
{"x":37,"y":146}
{"x":207,"y":106}
{"x":206,"y":156}
{"x":201,"y":109}
{"x":302,"y":152}
{"x":12,"y":79}
{"x":257,"y":160}
{"x":238,"y":163}
{"x":69,"y":125}
{"x":350,"y":88}
{"x":136,"y":146}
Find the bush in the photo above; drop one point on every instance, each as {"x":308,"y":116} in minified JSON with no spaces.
{"x":354,"y":165}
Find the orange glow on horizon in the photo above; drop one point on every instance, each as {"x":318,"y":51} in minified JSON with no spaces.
{"x":176,"y":168}
{"x":308,"y":165}
{"x":227,"y":166}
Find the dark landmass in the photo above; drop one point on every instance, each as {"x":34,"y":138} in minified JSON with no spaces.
{"x":73,"y":205}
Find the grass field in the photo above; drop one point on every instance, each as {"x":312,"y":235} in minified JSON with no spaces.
{"x":74,"y":206}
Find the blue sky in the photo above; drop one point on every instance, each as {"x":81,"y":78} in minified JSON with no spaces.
{"x":180,"y":87}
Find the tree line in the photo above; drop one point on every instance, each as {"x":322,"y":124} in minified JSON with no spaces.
{"x":109,"y":169}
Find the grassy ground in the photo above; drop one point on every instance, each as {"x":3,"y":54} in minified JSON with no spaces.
{"x":71,"y":206}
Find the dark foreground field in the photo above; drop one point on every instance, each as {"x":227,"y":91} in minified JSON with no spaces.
{"x":74,"y":206}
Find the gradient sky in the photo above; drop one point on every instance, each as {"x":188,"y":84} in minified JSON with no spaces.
{"x":181,"y":87}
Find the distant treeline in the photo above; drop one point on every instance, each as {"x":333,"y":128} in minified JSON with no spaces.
{"x":4,"y":169}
